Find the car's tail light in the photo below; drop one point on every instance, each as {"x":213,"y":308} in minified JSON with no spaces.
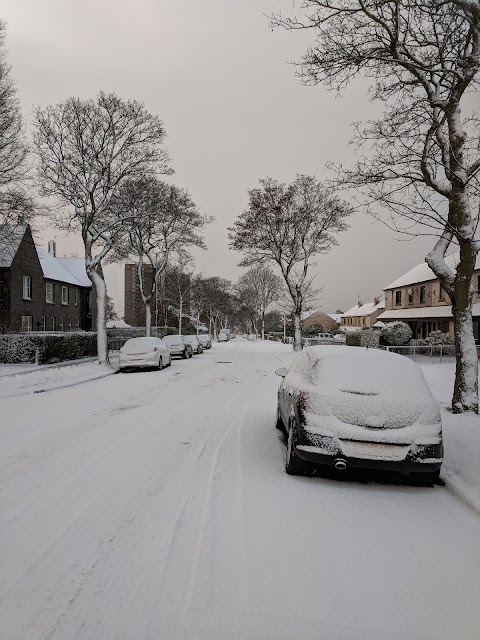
{"x":304,"y":400}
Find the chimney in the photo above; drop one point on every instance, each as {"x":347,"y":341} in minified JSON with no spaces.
{"x":52,"y":248}
{"x":376,"y":300}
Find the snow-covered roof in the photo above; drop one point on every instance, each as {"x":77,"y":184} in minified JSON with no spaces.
{"x":11,"y":236}
{"x":117,"y":324}
{"x":335,"y":316}
{"x":440,"y":311}
{"x":423,"y":273}
{"x":359,"y":311}
{"x":76,"y":266}
{"x":53,"y":269}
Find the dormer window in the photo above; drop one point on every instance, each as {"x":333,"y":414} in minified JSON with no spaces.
{"x":398,"y":297}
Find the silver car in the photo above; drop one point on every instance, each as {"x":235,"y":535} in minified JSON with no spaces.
{"x":178,"y":347}
{"x":197,"y":346}
{"x":205,"y":340}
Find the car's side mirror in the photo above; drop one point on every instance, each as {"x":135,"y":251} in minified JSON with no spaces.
{"x":282,"y":372}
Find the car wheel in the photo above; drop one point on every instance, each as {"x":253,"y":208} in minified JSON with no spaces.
{"x":185,"y":354}
{"x":160,"y":363}
{"x":294,"y":465}
{"x":169,"y":362}
{"x":425,"y":479}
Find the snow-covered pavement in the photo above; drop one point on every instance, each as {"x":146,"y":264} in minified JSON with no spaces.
{"x":154,"y":506}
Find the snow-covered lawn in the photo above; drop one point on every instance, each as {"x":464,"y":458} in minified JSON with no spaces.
{"x":461,"y":433}
{"x":155,"y":505}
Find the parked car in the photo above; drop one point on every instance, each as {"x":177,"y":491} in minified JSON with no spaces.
{"x":222,"y":337}
{"x":144,"y":353}
{"x":197,"y":346}
{"x":178,"y":347}
{"x":206,"y":340}
{"x":251,"y":336}
{"x":354,"y":407}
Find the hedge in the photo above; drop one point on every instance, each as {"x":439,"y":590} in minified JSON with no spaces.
{"x":52,"y":347}
{"x":365,"y":338}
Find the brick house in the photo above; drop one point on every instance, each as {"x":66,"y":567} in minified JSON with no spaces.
{"x":418,"y":299}
{"x":38,"y":291}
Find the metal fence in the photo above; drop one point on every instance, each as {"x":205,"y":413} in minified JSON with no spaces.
{"x":421,"y":353}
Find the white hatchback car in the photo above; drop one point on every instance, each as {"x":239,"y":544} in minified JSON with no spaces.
{"x":144,"y":353}
{"x":197,"y":346}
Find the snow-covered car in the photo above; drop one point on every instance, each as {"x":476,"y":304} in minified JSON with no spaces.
{"x":144,"y":353}
{"x":206,"y":340}
{"x":355,"y":407}
{"x":178,"y":347}
{"x":197,"y":346}
{"x":222,"y":337}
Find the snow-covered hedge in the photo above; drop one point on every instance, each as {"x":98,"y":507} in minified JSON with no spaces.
{"x":52,"y":347}
{"x":396,"y":334}
{"x":366,"y":338}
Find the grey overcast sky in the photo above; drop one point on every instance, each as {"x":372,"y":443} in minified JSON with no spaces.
{"x":234,"y":112}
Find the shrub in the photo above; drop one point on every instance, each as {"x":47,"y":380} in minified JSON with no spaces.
{"x":396,"y":334}
{"x":52,"y":347}
{"x":437,"y":337}
{"x":353,"y":339}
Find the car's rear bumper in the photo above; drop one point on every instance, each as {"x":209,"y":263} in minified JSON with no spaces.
{"x":131,"y":361}
{"x":416,"y":459}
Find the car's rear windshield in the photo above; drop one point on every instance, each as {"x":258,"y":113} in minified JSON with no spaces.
{"x":173,"y":339}
{"x":147,"y":343}
{"x":367,"y":375}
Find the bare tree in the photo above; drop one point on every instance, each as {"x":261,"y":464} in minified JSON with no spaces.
{"x":179,"y":280}
{"x":263,"y":286}
{"x":16,"y":206}
{"x":162,"y":222}
{"x":86,"y":149}
{"x":422,"y":158}
{"x":219,"y":304}
{"x":289,"y":225}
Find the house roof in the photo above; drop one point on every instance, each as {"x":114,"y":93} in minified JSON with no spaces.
{"x":11,"y":235}
{"x":423,"y":273}
{"x":419,"y":313}
{"x":363,"y":310}
{"x":76,"y":266}
{"x":53,"y":269}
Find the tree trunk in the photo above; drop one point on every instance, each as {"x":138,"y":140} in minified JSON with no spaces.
{"x":101,"y":297}
{"x":263,"y":324}
{"x":465,"y":393}
{"x":148,"y":318}
{"x":297,"y":344}
{"x":198,"y":320}
{"x":180,"y":313}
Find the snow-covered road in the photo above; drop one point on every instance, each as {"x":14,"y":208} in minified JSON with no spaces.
{"x":155,"y":506}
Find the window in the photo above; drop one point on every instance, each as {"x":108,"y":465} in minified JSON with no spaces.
{"x":64,"y":295}
{"x":77,"y":324}
{"x":54,"y":324}
{"x":49,"y":293}
{"x":441,"y":295}
{"x":62,"y":327}
{"x":27,"y":289}
{"x":69,"y":324}
{"x":398,"y":297}
{"x":76,"y":297}
{"x":44,"y":324}
{"x":410,"y":296}
{"x":27,"y":323}
{"x":422,"y":295}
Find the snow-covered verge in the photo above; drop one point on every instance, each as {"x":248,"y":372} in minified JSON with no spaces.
{"x":47,"y":379}
{"x":461,"y":434}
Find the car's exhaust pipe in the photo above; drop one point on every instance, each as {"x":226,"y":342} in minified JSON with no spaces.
{"x":340,"y":464}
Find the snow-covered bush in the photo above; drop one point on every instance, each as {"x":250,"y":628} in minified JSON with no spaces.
{"x":15,"y":348}
{"x":364,"y":338}
{"x":437,"y":337}
{"x":396,"y":334}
